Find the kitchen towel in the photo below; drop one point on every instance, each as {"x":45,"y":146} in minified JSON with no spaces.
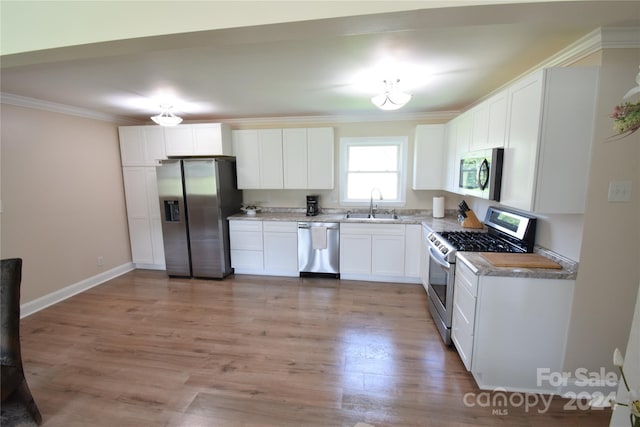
{"x":438,"y":207}
{"x":319,"y":237}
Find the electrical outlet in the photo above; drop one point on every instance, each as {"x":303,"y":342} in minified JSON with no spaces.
{"x":100,"y":261}
{"x":619,"y":191}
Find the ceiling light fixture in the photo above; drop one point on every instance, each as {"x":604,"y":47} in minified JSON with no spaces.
{"x":166,"y":117}
{"x":392,"y":98}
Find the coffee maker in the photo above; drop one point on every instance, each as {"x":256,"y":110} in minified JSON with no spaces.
{"x":312,"y":205}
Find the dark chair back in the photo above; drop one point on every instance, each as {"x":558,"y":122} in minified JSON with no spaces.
{"x":10,"y":312}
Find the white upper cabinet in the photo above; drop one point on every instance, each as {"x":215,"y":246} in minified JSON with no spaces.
{"x":549,"y":137}
{"x":258,"y":158}
{"x":141,"y":145}
{"x":489,"y":123}
{"x":308,"y":158}
{"x":320,"y":143}
{"x":428,"y":157}
{"x":498,"y":115}
{"x":294,"y":158}
{"x":202,"y":139}
{"x":245,"y":148}
{"x":458,"y":143}
{"x":270,"y":148}
{"x":295,"y":153}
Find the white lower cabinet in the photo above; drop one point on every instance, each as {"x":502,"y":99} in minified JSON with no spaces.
{"x":143,"y":216}
{"x":245,"y":241}
{"x":376,"y":252}
{"x":506,"y":328}
{"x":464,"y":312}
{"x":281,"y":247}
{"x":264,"y":247}
{"x":355,"y":252}
{"x":387,"y":254}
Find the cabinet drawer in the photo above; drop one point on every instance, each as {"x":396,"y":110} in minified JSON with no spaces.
{"x":461,"y":337}
{"x":466,"y":302}
{"x":377,"y":229}
{"x":466,"y":278}
{"x":252,"y":260}
{"x":241,"y":225}
{"x":246,"y":240}
{"x":280,"y":226}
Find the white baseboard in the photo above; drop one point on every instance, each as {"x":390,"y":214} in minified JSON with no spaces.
{"x":389,"y":279}
{"x":45,"y":301}
{"x":150,"y":266}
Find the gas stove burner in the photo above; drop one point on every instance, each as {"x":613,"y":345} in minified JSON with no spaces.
{"x":478,"y":242}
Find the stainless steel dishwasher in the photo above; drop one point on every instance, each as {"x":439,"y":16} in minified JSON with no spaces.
{"x":319,"y":248}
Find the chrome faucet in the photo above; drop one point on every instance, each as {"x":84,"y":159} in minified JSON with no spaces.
{"x":371,"y":201}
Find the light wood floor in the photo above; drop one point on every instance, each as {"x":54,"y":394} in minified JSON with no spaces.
{"x":145,"y":350}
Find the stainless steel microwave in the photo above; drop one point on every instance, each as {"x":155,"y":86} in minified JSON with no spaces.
{"x":481,"y":173}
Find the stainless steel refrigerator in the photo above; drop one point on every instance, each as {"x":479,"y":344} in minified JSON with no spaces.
{"x":196,"y":197}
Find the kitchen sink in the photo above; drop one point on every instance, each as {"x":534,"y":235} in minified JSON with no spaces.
{"x":351,"y":215}
{"x":375,"y":217}
{"x":387,"y":216}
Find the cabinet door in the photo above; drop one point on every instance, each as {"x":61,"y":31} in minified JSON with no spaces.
{"x":570,"y":96}
{"x":429,"y":153}
{"x":179,"y":140}
{"x":521,"y":153}
{"x":479,"y":127}
{"x":294,"y":155}
{"x":154,"y":145}
{"x":450,"y":156}
{"x":459,"y":141}
{"x":245,"y":148}
{"x":271,"y":169}
{"x":211,"y":139}
{"x":387,"y":255}
{"x":320,"y":144}
{"x":355,"y":254}
{"x":132,"y":151}
{"x":281,"y":252}
{"x":153,"y":207}
{"x":497,"y":120}
{"x":135,"y":187}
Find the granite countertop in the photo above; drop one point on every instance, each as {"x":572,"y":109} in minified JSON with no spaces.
{"x":474,"y":260}
{"x":481,"y":267}
{"x":448,"y":223}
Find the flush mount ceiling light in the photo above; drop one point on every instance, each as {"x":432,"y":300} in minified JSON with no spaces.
{"x":166,"y":117}
{"x":392,"y":98}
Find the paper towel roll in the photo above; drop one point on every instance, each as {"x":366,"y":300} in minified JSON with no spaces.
{"x":438,"y":207}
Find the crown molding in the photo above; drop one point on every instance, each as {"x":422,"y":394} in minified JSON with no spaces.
{"x":54,"y":107}
{"x":436,"y":116}
{"x":595,"y":41}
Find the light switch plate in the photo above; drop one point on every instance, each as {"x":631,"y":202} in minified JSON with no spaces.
{"x":620,"y":191}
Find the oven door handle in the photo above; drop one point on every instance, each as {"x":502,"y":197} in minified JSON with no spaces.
{"x":436,"y":258}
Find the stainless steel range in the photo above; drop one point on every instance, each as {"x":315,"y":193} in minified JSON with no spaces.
{"x":507,"y":231}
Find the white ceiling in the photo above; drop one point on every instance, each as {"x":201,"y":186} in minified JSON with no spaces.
{"x":447,"y":58}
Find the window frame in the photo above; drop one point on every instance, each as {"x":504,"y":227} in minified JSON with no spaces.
{"x":401,"y":142}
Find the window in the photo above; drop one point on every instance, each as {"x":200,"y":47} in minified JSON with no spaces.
{"x":373,"y":163}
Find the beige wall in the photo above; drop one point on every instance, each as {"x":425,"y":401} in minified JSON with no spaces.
{"x":62,"y":198}
{"x":609,"y":273}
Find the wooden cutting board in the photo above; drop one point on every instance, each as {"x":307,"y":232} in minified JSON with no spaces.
{"x":519,"y":260}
